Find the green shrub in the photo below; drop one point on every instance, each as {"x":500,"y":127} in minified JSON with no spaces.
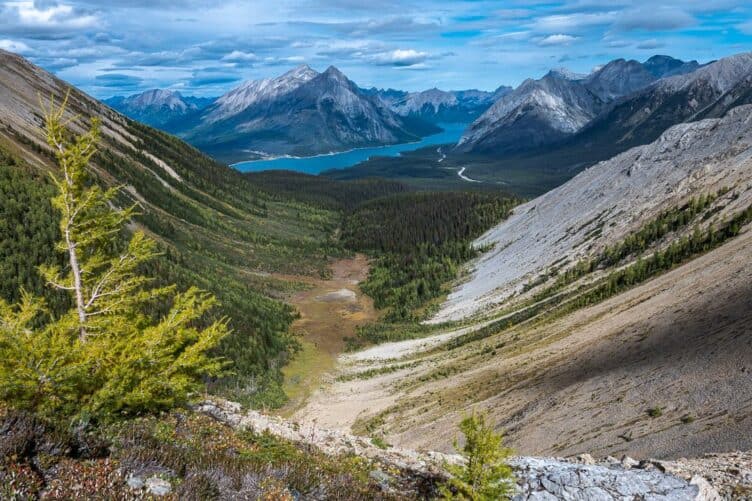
{"x":655,"y":412}
{"x":485,"y":476}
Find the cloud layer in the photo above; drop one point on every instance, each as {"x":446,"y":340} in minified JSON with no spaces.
{"x":205,"y":47}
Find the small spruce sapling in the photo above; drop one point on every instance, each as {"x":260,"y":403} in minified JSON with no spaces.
{"x":485,"y":476}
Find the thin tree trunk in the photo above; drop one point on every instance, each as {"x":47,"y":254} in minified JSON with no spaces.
{"x":77,"y":284}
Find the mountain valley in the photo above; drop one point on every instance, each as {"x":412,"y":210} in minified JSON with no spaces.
{"x":546,"y":344}
{"x":574,"y":272}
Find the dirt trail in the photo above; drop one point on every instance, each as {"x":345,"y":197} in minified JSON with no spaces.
{"x":329,"y":310}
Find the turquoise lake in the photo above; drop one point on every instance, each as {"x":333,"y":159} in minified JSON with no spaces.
{"x":314,"y":165}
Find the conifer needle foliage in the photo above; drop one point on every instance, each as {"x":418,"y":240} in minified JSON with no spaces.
{"x":106,"y":357}
{"x":485,"y":476}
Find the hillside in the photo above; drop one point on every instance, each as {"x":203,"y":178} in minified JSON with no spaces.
{"x":604,"y":204}
{"x":608,"y":316}
{"x":216,"y":228}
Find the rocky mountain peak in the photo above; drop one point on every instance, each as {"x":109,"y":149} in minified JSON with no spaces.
{"x":720,"y":75}
{"x":332,"y":72}
{"x":565,"y":73}
{"x":661,"y":66}
{"x":302,"y":72}
{"x":618,"y":78}
{"x":160,"y":97}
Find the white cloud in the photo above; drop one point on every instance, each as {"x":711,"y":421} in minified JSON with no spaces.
{"x":401,"y":57}
{"x":572,"y":22}
{"x":654,"y":19}
{"x":650,"y":44}
{"x":238,"y":56}
{"x":745,"y":28}
{"x":13,"y":46}
{"x":30,"y":15}
{"x":558,"y":39}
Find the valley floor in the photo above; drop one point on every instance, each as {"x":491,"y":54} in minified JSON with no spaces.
{"x":662,"y":370}
{"x":330,"y":309}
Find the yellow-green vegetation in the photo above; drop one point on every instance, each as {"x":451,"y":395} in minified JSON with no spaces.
{"x":303,"y":372}
{"x":329,"y":310}
{"x":485,"y":476}
{"x":106,"y":357}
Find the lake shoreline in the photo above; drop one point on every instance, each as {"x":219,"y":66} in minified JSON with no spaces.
{"x":317,"y":164}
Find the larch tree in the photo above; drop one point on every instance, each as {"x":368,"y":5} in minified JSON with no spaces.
{"x":485,"y":476}
{"x":107,"y":357}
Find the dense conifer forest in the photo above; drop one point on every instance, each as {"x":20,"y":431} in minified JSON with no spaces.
{"x":419,"y":240}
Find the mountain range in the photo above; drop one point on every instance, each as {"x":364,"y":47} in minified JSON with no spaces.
{"x":300,"y":113}
{"x":609,"y":315}
{"x":437,"y":106}
{"x":157,"y":107}
{"x":545,"y":111}
{"x":303,"y":113}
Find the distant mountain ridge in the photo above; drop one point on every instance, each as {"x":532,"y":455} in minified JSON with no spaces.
{"x":545,"y":111}
{"x":437,"y":106}
{"x":157,"y":107}
{"x":300,"y":113}
{"x":639,"y":118}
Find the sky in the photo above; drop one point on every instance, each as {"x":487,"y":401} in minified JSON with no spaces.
{"x":206,"y":47}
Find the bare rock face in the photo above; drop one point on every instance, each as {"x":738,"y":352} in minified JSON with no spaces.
{"x":542,"y":112}
{"x":537,"y":478}
{"x":299,"y":113}
{"x":546,"y":479}
{"x":537,"y":112}
{"x":604,"y":203}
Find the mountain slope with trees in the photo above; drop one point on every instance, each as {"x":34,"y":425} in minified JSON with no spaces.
{"x":214,"y":228}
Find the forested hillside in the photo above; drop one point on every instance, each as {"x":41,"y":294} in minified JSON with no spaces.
{"x":214,"y":227}
{"x":419,"y":241}
{"x":224,"y":231}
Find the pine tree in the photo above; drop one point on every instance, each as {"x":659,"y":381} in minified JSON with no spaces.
{"x":106,"y":357}
{"x":485,"y":476}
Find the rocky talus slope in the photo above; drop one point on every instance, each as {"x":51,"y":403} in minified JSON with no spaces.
{"x":604,"y":203}
{"x":399,"y":470}
{"x":569,"y":357}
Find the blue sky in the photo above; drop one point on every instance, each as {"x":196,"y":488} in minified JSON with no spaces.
{"x":205,"y":47}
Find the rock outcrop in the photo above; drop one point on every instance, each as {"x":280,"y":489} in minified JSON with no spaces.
{"x":537,"y":478}
{"x":604,"y":203}
{"x":545,"y":479}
